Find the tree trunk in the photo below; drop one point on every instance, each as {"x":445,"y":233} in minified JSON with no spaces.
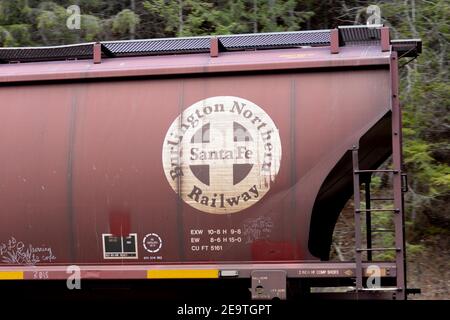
{"x":133,"y":25}
{"x":255,"y":17}
{"x":180,"y":17}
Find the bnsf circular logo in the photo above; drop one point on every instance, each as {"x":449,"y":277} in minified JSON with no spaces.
{"x":222,"y":154}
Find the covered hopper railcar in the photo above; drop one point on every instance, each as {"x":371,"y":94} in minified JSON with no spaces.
{"x":207,"y":157}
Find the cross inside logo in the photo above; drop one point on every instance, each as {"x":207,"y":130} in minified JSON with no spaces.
{"x":222,"y":154}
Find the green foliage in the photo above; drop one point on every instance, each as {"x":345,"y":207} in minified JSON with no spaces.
{"x":280,"y":16}
{"x":376,"y":182}
{"x":425,"y":98}
{"x":232,"y":19}
{"x":414,"y":249}
{"x":189,"y":17}
{"x":92,"y":27}
{"x":186,"y":17}
{"x":383,"y":220}
{"x":425,"y":87}
{"x":436,"y":230}
{"x":426,"y":104}
{"x":125,"y":22}
{"x":51,"y":24}
{"x":15,"y":35}
{"x":13,"y":12}
{"x":419,"y":159}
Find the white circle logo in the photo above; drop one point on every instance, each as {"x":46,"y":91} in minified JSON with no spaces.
{"x":222,"y":154}
{"x":152,"y":242}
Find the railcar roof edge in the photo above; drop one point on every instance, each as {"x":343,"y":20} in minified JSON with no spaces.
{"x":355,"y":45}
{"x":348,"y":35}
{"x":264,"y":60}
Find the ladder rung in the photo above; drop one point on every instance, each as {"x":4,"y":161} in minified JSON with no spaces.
{"x":376,"y":210}
{"x":377,"y":249}
{"x":413,"y":291}
{"x":381,"y":289}
{"x":383,"y":230}
{"x":370,"y":171}
{"x":382,"y":199}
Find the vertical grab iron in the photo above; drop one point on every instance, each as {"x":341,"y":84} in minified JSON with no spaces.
{"x":398,"y":209}
{"x":397,"y":179}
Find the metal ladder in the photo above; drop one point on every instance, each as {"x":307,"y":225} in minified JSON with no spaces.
{"x":397,"y":211}
{"x":397,"y":179}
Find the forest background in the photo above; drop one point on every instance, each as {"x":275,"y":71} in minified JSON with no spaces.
{"x":424,"y":87}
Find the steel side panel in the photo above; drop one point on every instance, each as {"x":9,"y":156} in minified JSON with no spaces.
{"x":76,"y":155}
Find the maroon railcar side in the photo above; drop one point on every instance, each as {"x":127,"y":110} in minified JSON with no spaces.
{"x":195,"y":165}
